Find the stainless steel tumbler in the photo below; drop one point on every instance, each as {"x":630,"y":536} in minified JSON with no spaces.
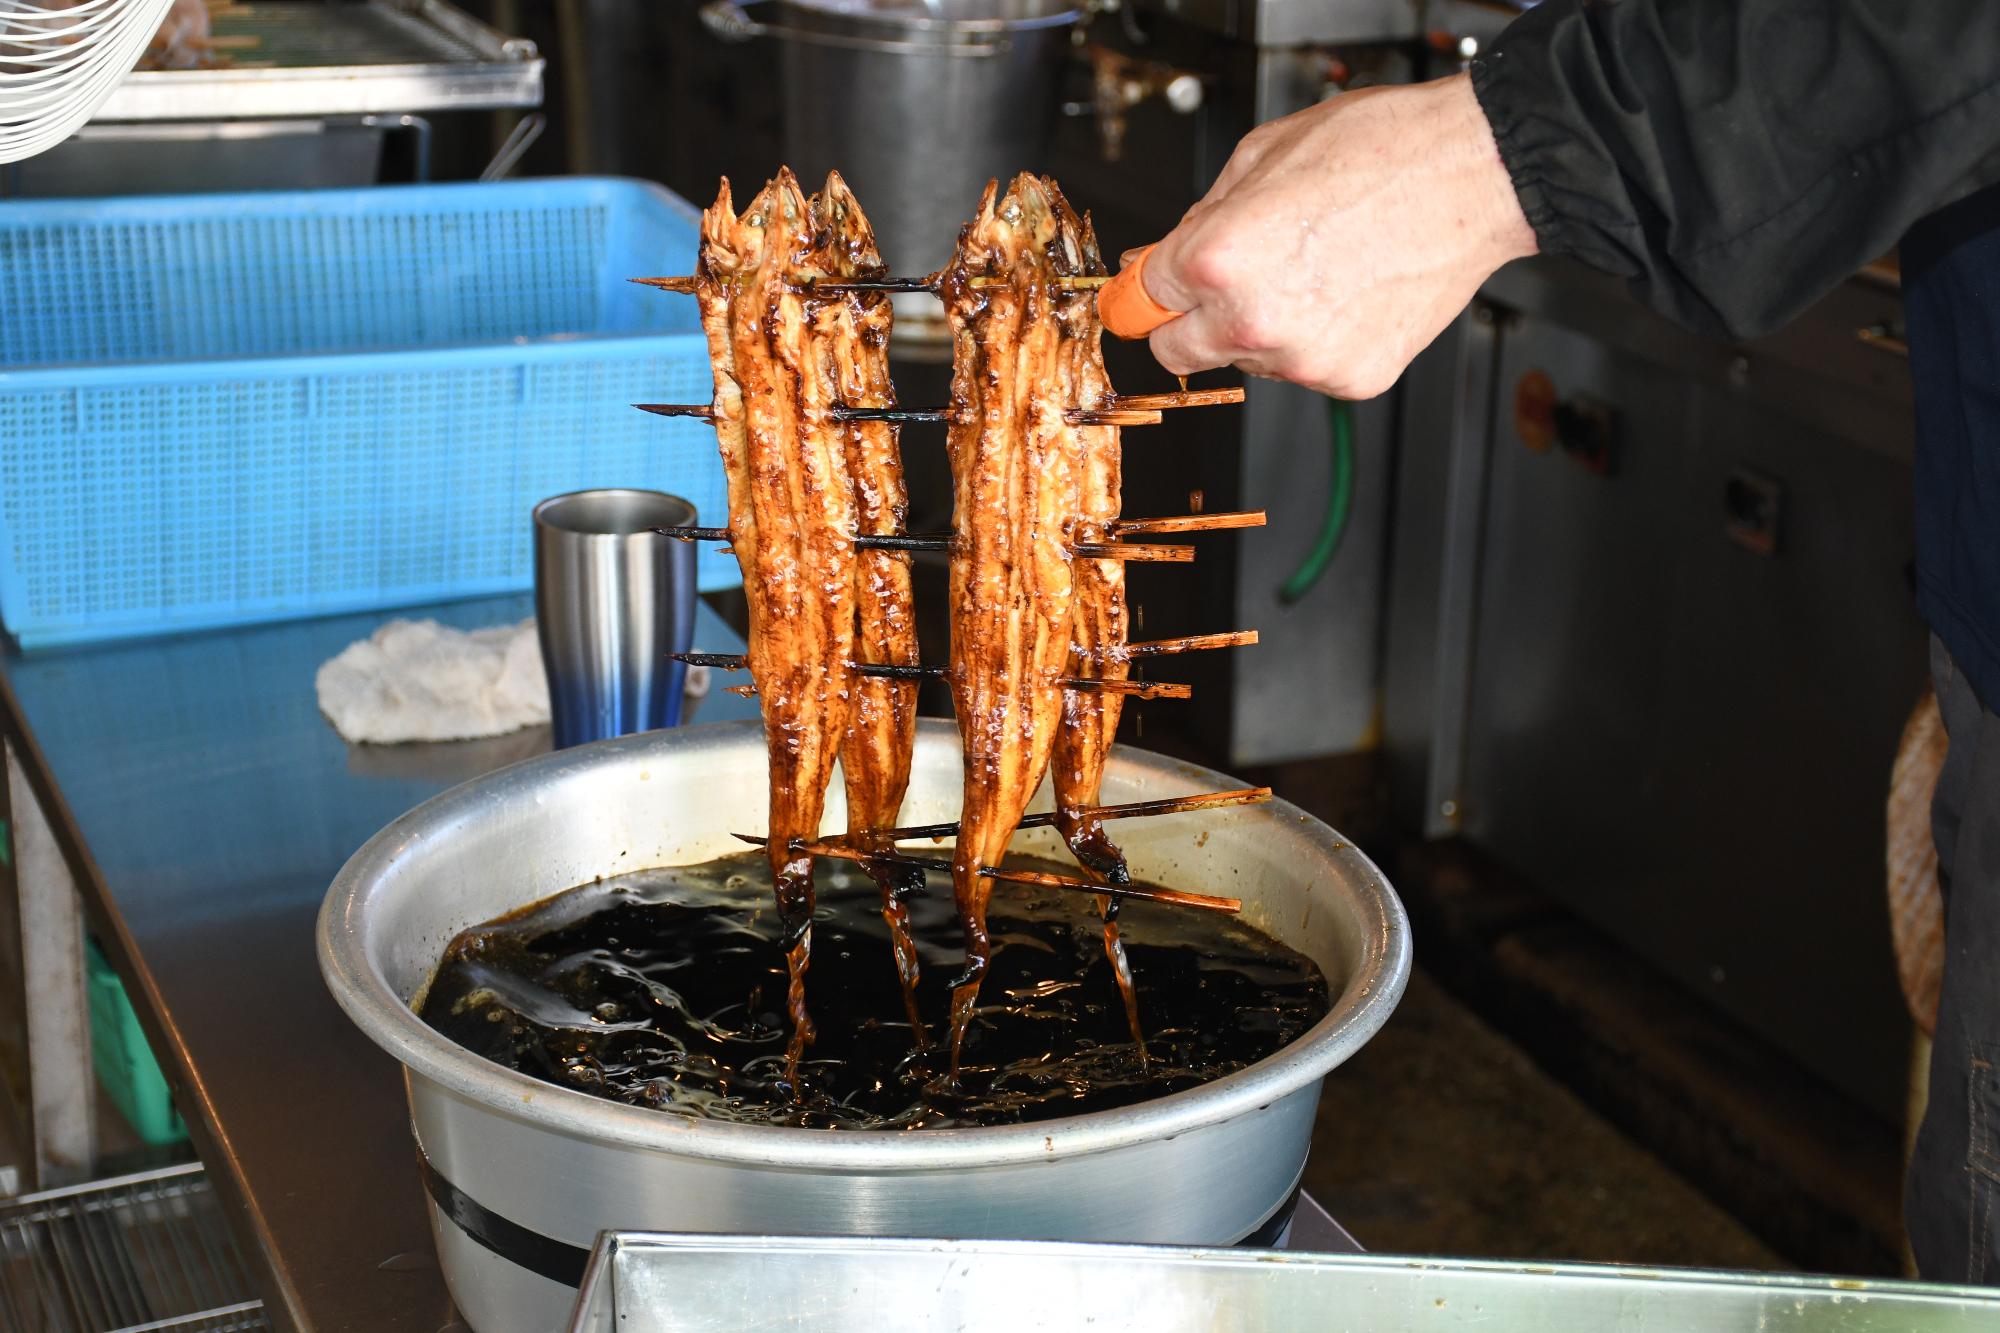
{"x":612,"y":600}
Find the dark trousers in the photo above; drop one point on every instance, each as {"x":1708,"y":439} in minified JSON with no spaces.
{"x":1952,"y":1204}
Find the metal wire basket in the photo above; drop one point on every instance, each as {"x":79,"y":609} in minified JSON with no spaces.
{"x":139,"y":1252}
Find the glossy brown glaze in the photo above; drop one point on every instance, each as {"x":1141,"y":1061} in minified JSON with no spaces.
{"x":1017,"y":465}
{"x":851,"y":336}
{"x":791,"y":522}
{"x":1099,"y":625}
{"x":1090,"y":718}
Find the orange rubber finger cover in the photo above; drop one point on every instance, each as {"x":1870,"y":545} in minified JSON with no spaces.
{"x":1126,"y":307}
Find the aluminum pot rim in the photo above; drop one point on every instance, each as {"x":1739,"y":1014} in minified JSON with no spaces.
{"x":672,"y":510}
{"x":915,"y":24}
{"x":1370,"y":995}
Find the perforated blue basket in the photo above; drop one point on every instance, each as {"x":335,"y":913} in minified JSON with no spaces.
{"x":226,"y":408}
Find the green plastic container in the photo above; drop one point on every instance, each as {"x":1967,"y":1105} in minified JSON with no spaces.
{"x":125,"y":1063}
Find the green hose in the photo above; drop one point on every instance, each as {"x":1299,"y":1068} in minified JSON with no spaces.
{"x":1339,"y":508}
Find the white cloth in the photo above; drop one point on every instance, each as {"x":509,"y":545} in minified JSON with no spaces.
{"x":417,"y":680}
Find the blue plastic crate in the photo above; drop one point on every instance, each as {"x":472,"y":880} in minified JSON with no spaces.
{"x":226,"y":408}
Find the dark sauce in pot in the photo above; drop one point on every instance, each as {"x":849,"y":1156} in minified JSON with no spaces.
{"x":666,"y":988}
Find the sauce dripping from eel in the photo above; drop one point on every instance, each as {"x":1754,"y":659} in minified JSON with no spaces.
{"x":851,"y":336}
{"x":791,"y":523}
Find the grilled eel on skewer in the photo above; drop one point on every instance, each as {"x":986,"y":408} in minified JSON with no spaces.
{"x":791,"y":522}
{"x":851,"y":336}
{"x":1098,"y":625}
{"x":1090,"y":720}
{"x":1015,"y":465}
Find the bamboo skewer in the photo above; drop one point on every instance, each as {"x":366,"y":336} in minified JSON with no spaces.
{"x":894,"y":415}
{"x":1181,"y":398}
{"x":699,"y":411}
{"x":877,"y":285}
{"x":1135,"y":689}
{"x":1131,"y":689}
{"x":1190,"y":643}
{"x":1082,"y":282}
{"x":1081,"y":416}
{"x":1112,"y":416}
{"x":1152,"y":552}
{"x":1143,"y":409}
{"x":719,"y":661}
{"x":901,"y":541}
{"x":1137,"y":410}
{"x":1135,"y":551}
{"x":1169,"y":805}
{"x":1068,"y":282}
{"x":1143,"y":892}
{"x":1249,"y":518}
{"x":937,"y":541}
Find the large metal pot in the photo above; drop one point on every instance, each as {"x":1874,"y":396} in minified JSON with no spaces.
{"x":523,"y":1174}
{"x":918,"y":106}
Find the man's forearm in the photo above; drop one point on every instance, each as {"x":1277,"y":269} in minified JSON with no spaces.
{"x":1737,"y":158}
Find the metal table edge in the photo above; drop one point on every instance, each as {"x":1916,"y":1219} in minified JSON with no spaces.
{"x":281,"y":1300}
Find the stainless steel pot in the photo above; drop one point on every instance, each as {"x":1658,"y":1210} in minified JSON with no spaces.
{"x":523,"y":1174}
{"x":918,"y":106}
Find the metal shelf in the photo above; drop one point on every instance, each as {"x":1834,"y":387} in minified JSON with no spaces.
{"x":342,"y":59}
{"x":140,"y":1252}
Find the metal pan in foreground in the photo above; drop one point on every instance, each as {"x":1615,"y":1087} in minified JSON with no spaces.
{"x":640,"y":1282}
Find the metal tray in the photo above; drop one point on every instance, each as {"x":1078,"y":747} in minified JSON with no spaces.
{"x":342,"y":59}
{"x":638,"y":1282}
{"x":146,"y":1251}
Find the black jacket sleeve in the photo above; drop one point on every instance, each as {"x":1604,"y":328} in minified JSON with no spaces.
{"x":1735,"y":159}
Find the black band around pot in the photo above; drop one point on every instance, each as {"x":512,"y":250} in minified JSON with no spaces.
{"x":559,"y":1261}
{"x":556,"y":1260}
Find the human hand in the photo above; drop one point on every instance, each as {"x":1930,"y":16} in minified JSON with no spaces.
{"x":1340,"y":240}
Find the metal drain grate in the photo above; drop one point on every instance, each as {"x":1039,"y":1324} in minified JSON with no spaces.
{"x":141,"y":1252}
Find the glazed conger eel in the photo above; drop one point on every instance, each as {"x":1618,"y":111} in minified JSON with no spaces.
{"x":791,"y":523}
{"x":851,"y":338}
{"x":1098,"y":618}
{"x":1015,"y":464}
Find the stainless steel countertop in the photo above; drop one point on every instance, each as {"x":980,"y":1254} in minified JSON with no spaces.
{"x":214,"y":805}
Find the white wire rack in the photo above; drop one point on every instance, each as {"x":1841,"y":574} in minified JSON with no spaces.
{"x":127,"y":1255}
{"x":59,"y":61}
